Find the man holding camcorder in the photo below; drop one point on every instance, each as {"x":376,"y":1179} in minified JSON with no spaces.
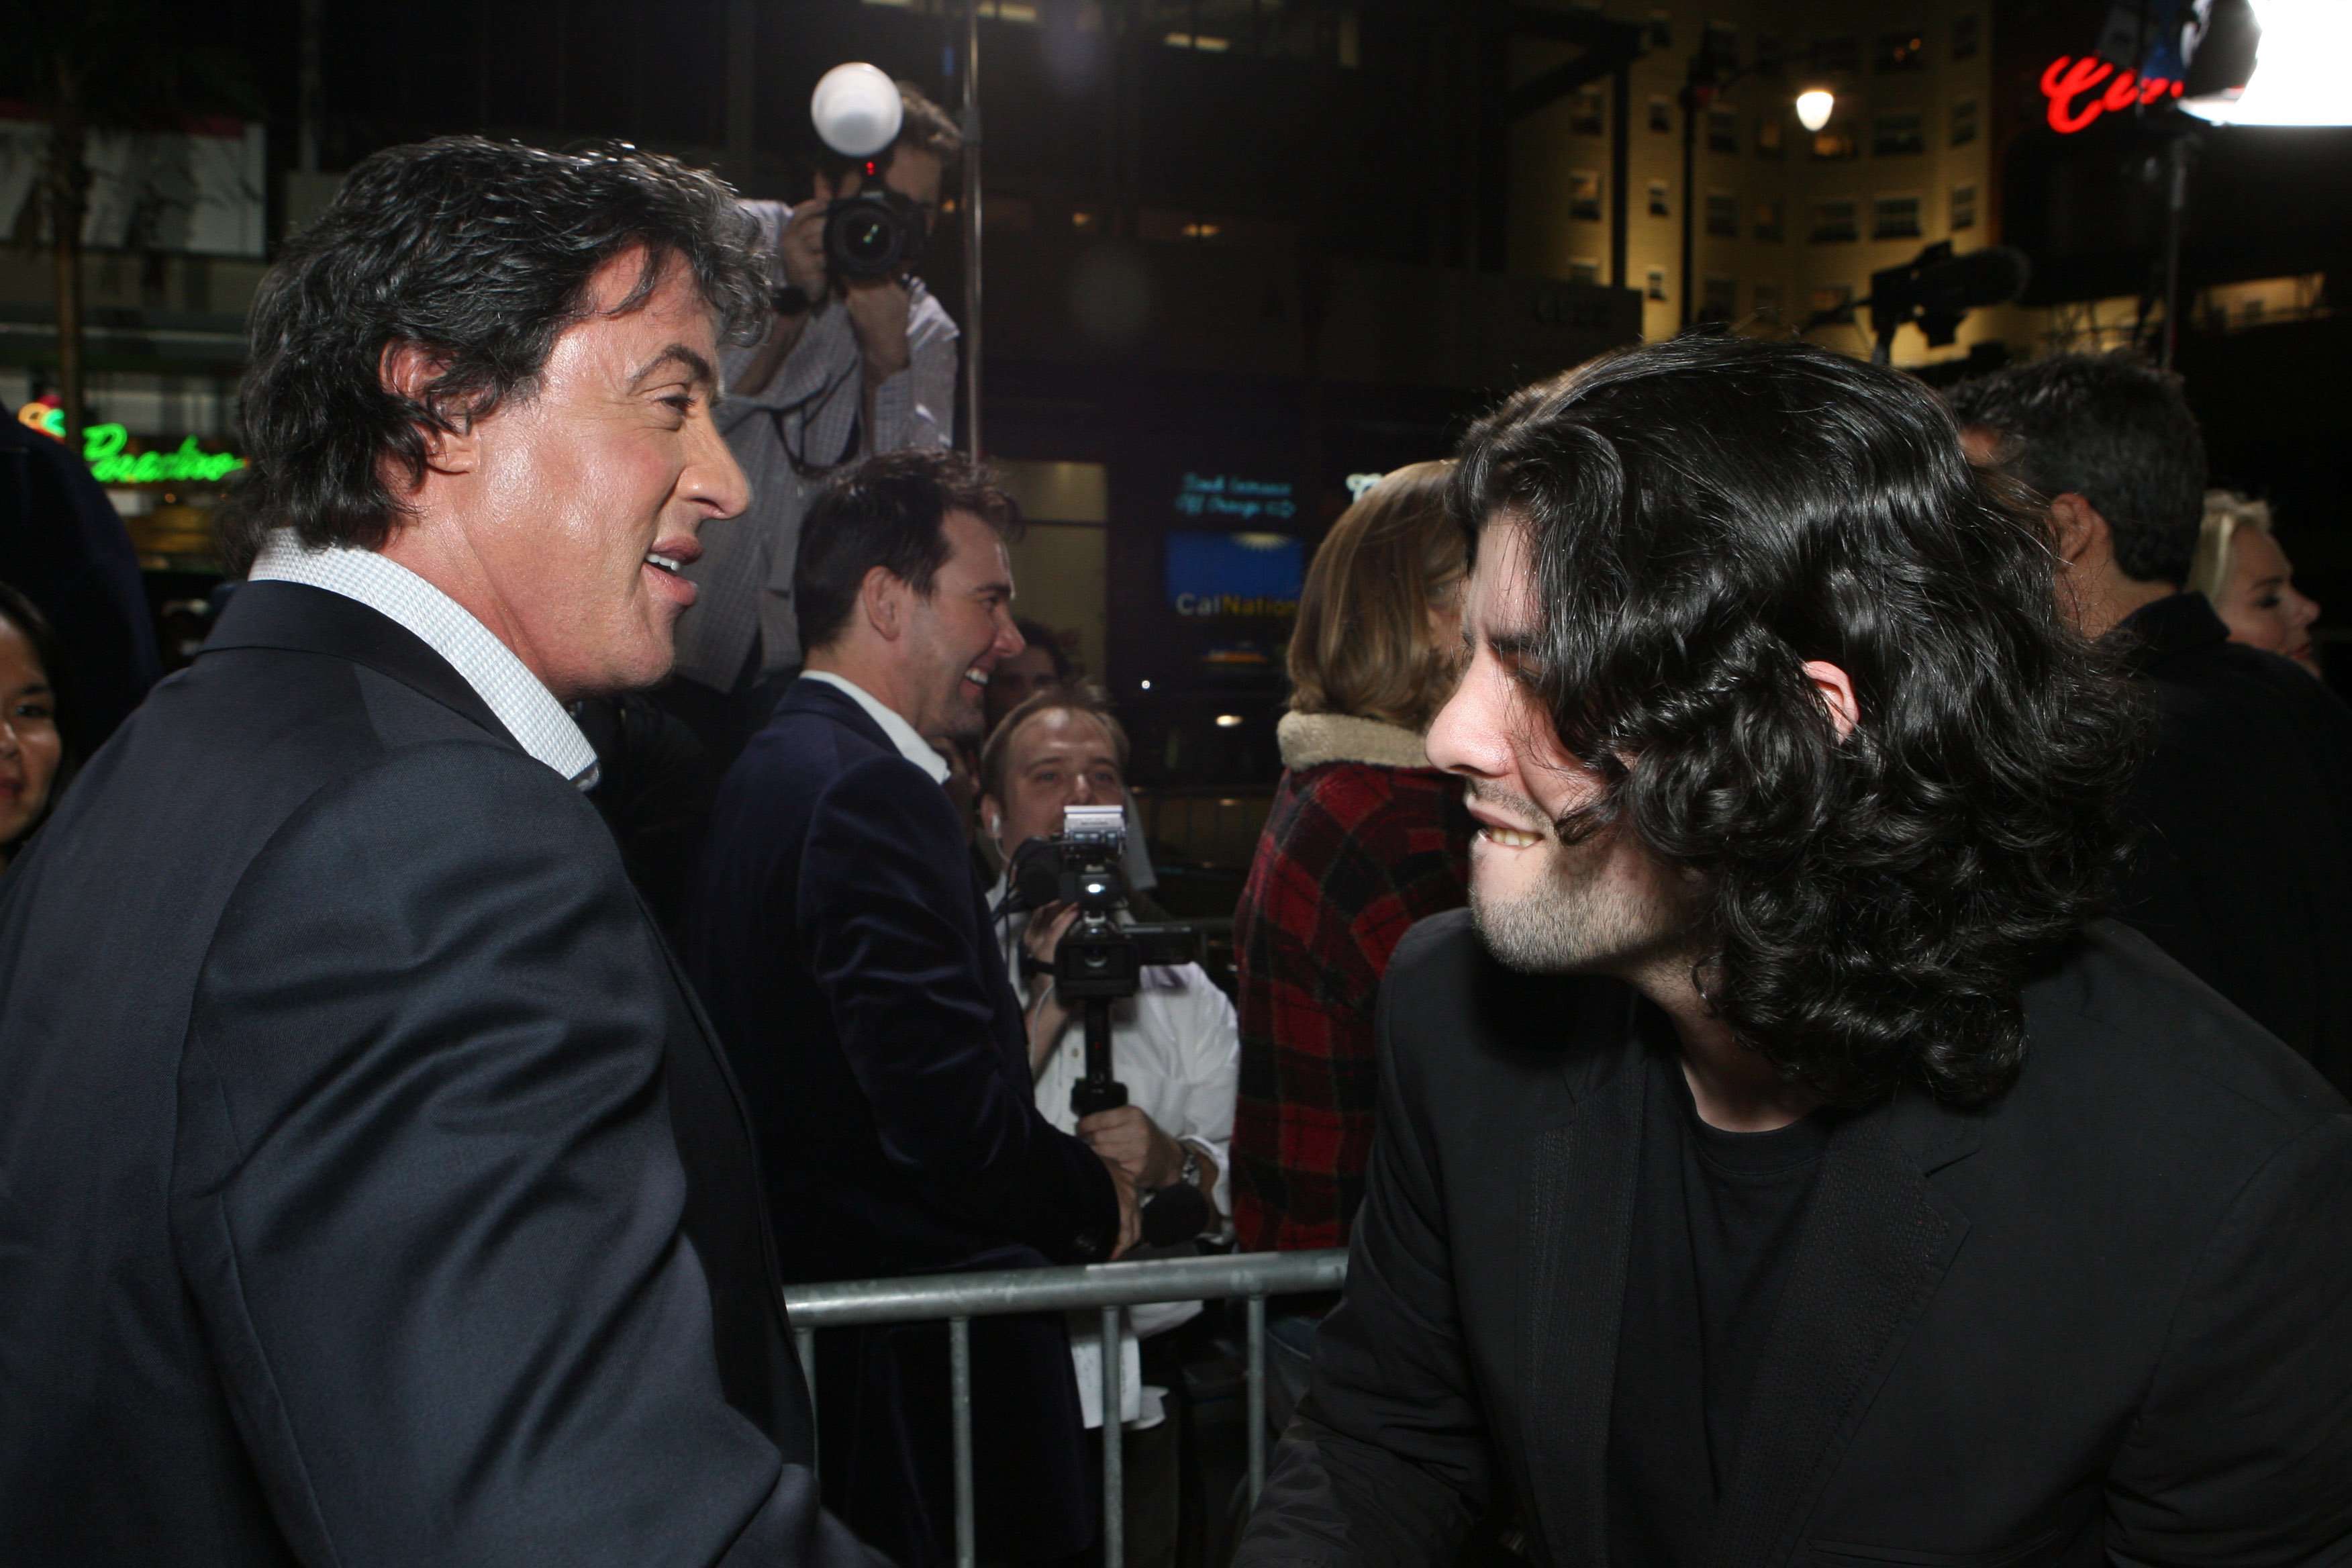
{"x":857,"y":358}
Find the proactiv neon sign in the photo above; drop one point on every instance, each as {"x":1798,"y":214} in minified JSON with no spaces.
{"x":102,"y":448}
{"x":2068,"y":84}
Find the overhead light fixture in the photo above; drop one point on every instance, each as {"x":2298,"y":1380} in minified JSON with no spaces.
{"x":1228,"y":721}
{"x":1813,"y":108}
{"x":2298,"y":71}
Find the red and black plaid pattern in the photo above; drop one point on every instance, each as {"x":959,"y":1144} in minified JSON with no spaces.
{"x":1353,"y":854}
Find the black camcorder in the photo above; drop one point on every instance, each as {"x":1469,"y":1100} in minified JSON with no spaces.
{"x":1097,"y":962}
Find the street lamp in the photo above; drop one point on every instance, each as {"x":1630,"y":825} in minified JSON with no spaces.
{"x":1707,"y":80}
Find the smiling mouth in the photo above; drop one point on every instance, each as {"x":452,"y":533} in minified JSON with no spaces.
{"x":669,"y":564}
{"x":1508,"y":838}
{"x":976,"y":676}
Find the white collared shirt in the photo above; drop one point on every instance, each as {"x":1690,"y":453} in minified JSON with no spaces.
{"x":528,"y":711}
{"x":903,"y":736}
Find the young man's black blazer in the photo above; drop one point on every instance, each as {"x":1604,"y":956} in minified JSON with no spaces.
{"x":2109,"y":1319}
{"x":371,"y":1188}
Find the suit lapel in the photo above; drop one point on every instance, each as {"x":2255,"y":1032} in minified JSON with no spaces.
{"x":1580,"y":1231}
{"x":1873,"y":1246}
{"x":297,"y":618}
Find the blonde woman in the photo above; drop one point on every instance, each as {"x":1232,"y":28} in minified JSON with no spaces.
{"x":2240,"y":568}
{"x":1365,"y":837}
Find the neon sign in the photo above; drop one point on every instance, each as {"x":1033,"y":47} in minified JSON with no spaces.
{"x":2068,"y":83}
{"x":102,"y":448}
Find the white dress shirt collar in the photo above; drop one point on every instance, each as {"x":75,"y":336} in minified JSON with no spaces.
{"x":528,"y":711}
{"x":903,"y":736}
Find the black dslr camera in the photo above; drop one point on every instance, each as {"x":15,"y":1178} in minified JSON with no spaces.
{"x":1099,"y":961}
{"x":877,"y":233}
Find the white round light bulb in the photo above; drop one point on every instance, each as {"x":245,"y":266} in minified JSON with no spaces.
{"x":856,"y":108}
{"x":1813,"y":108}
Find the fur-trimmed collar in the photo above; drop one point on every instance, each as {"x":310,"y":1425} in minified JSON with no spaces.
{"x":1309,"y":740}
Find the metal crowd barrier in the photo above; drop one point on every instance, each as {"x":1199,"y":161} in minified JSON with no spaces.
{"x":959,"y":1298}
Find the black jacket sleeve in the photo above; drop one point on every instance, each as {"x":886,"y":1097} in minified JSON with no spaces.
{"x":891,"y":926}
{"x":2241,"y":1453}
{"x":1387,"y":1461}
{"x":427,"y":1198}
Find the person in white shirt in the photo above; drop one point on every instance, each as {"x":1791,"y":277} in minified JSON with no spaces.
{"x":1175,"y":1044}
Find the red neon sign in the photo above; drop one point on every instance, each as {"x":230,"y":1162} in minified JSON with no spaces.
{"x":2068,"y":84}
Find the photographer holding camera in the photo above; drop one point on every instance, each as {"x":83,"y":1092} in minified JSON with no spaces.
{"x":857,"y":358}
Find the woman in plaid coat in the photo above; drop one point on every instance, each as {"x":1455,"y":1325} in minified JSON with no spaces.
{"x":1365,"y":838}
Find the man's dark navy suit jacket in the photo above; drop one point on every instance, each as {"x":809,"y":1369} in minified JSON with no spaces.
{"x":842,"y":943}
{"x":371,"y":1190}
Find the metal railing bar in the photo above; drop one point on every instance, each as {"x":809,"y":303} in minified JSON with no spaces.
{"x":960,"y":1399}
{"x":993,"y":1294}
{"x":1257,"y":1396}
{"x":804,"y":1346}
{"x":1114,"y":1408}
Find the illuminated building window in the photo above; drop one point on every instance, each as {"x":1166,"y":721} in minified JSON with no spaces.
{"x":1964,"y":207}
{"x":1895,"y":217}
{"x":1661,"y":114}
{"x":1205,"y":43}
{"x":1835,"y":222}
{"x":1966,"y":34}
{"x":1903,"y":51}
{"x":1897,"y":135}
{"x":1657,"y":288}
{"x":1723,"y":214}
{"x":1771,"y":220}
{"x":1658,"y":199}
{"x":1770,"y":135}
{"x":1584,"y":194}
{"x":1584,"y":113}
{"x":1723,"y":130}
{"x":1832,"y":142}
{"x":1964,"y":123}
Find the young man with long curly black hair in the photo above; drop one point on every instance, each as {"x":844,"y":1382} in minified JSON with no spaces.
{"x":1780,"y":1161}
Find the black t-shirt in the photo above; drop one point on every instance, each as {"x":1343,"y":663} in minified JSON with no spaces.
{"x":1716,"y":1216}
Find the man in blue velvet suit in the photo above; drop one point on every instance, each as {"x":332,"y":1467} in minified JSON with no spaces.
{"x":842,"y":941}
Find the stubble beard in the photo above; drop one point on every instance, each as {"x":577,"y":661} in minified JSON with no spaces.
{"x":1577,"y":921}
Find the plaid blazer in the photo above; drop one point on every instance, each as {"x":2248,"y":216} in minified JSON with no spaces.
{"x":1364,"y":840}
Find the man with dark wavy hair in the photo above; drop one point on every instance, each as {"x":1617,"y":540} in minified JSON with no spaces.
{"x":372,"y":1189}
{"x":1778,"y":1162}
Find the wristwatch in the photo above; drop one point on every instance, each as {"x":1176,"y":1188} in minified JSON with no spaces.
{"x":1190,"y":1174}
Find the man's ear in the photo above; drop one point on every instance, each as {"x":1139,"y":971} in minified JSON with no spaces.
{"x":2078,"y":532}
{"x":409,"y":371}
{"x":883,"y":600}
{"x":1837,"y":689}
{"x":992,"y":814}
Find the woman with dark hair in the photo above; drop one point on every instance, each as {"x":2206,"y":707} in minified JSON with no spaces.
{"x":1365,"y":837}
{"x":35,"y":761}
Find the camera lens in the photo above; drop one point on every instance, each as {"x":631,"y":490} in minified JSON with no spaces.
{"x":869,"y":235}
